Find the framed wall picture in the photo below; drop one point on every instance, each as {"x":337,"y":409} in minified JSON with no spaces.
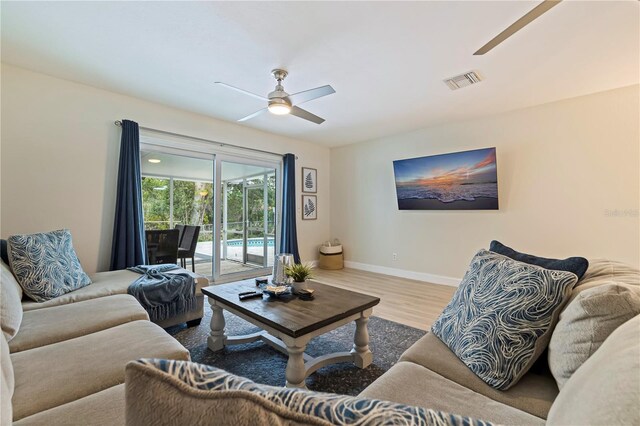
{"x":309,"y":207}
{"x":309,"y":180}
{"x":465,"y":180}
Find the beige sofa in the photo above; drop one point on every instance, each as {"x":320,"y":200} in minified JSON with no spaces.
{"x":117,"y":282}
{"x":429,"y":374}
{"x":604,"y":390}
{"x":63,"y":361}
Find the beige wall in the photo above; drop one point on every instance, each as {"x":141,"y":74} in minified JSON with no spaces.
{"x":568,"y":177}
{"x":60,"y":153}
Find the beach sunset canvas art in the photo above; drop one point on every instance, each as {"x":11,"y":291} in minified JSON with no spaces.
{"x":465,"y":180}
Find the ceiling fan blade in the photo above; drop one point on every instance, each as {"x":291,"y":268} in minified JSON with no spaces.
{"x":308,"y":95}
{"x":255,"y":114}
{"x":253,"y":95}
{"x":518,"y":25}
{"x":302,"y":113}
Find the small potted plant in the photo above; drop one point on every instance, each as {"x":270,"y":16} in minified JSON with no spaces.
{"x":299,"y":273}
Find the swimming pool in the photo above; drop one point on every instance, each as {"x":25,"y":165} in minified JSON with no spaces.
{"x":251,"y":242}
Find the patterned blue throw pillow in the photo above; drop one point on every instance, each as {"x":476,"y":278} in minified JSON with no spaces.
{"x":501,"y":317}
{"x":315,"y":407}
{"x":46,"y":265}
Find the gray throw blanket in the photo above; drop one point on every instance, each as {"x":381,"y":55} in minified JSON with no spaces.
{"x":163,"y":295}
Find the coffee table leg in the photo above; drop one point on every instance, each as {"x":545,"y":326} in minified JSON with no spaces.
{"x":295,"y":372}
{"x":362,"y":356}
{"x":216,"y":338}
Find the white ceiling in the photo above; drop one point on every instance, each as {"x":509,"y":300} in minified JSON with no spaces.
{"x":386,"y":60}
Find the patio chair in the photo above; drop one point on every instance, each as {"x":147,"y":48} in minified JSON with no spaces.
{"x":162,"y":246}
{"x":181,"y":229}
{"x":188,"y":246}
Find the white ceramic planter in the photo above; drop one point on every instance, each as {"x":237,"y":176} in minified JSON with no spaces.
{"x":297,"y":286}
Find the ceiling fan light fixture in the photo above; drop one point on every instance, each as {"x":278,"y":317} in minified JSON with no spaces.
{"x":279,"y":108}
{"x":280,"y":102}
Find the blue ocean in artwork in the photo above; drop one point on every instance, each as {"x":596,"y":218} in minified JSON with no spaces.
{"x":449,"y":193}
{"x":448,"y":178}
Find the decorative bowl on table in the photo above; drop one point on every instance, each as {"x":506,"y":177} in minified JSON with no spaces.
{"x":276,"y":290}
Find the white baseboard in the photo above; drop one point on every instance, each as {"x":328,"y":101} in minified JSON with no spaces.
{"x":403,"y":273}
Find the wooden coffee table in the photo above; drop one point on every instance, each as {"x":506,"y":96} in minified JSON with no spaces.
{"x":288,"y":324}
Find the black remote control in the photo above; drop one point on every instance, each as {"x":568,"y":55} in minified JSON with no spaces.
{"x":249,"y":296}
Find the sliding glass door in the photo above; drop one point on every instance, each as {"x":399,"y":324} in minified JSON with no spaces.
{"x":247,"y":217}
{"x":233,"y":200}
{"x":178,"y":190}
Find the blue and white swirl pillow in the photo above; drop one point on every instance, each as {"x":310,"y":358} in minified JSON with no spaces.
{"x":502,"y":315}
{"x":46,"y":265}
{"x":324,"y":408}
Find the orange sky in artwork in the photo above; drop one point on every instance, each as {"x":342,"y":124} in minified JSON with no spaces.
{"x":458,"y":175}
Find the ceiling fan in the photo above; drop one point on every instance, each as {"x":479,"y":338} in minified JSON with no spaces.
{"x":533,"y":14}
{"x":281,"y":103}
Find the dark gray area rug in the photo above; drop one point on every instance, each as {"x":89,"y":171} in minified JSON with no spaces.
{"x":263,"y":364}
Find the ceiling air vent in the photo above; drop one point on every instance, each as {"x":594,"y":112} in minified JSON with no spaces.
{"x":463,"y":80}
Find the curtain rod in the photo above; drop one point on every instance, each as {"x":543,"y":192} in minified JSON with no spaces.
{"x":222,"y":144}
